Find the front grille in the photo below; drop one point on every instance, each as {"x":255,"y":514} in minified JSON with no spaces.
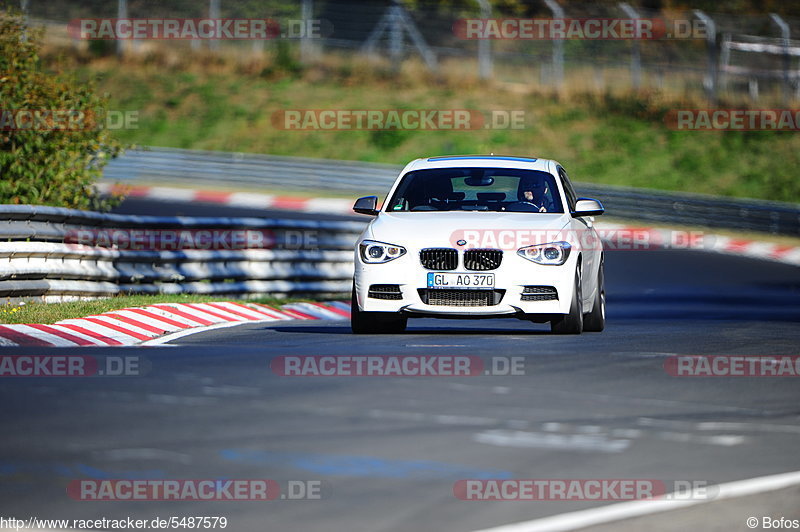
{"x":482,"y":259}
{"x":539,"y":293}
{"x":439,"y":258}
{"x":461,"y":298}
{"x":385,"y":291}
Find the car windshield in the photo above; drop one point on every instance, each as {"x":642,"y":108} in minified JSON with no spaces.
{"x":477,"y":189}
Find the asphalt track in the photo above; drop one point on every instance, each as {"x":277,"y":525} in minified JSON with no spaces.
{"x":389,"y":450}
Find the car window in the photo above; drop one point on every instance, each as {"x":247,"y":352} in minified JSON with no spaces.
{"x":477,"y":189}
{"x":501,"y":185}
{"x":569,"y":191}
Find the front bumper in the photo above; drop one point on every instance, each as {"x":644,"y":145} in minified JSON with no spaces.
{"x":511,"y":277}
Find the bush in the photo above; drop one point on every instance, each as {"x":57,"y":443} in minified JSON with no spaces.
{"x":54,"y":158}
{"x":284,"y":59}
{"x":102,"y":47}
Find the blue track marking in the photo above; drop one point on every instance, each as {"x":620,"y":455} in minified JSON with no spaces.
{"x":361,"y":466}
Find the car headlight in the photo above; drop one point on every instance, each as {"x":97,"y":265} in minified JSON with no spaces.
{"x":373,"y":252}
{"x":550,"y":254}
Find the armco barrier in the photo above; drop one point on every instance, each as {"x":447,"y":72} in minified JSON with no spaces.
{"x":42,"y":258}
{"x":197,"y":168}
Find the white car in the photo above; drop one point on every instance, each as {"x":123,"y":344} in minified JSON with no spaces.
{"x":479,"y":237}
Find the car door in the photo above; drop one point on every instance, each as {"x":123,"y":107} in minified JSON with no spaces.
{"x":590,"y":244}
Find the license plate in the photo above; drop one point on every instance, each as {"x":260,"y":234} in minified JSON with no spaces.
{"x":460,"y":280}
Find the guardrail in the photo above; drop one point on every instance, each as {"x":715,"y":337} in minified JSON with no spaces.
{"x":695,"y":209}
{"x":162,"y":165}
{"x":52,"y":253}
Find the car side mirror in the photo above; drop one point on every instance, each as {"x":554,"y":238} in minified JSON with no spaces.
{"x":367,"y":205}
{"x":587,"y":207}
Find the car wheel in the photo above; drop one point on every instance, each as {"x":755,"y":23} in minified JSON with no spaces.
{"x":571,"y":323}
{"x":595,"y":321}
{"x":374,"y":322}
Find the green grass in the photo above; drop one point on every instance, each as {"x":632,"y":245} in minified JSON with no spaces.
{"x":619,"y":139}
{"x":47,"y":313}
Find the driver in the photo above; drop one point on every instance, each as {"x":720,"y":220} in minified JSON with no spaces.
{"x":535,"y":194}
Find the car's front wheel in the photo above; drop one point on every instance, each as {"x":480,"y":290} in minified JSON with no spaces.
{"x":374,"y":322}
{"x":571,"y":323}
{"x":595,"y":320}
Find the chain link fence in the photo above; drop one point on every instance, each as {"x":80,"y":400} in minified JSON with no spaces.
{"x":691,"y":53}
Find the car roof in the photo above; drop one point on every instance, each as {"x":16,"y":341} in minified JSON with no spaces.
{"x":502,"y":161}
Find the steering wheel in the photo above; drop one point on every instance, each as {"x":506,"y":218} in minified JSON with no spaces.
{"x":523,"y":206}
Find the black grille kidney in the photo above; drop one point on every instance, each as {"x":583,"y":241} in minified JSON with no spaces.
{"x":439,"y":258}
{"x":482,"y":259}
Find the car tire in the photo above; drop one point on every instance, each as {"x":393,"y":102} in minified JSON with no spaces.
{"x":595,"y":321}
{"x":374,"y":322}
{"x":571,"y":323}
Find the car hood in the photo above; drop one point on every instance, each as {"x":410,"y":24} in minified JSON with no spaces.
{"x":443,"y":229}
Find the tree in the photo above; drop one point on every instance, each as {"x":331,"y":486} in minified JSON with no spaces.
{"x":53,"y":141}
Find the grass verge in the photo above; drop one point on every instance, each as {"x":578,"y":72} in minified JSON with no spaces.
{"x":609,"y":138}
